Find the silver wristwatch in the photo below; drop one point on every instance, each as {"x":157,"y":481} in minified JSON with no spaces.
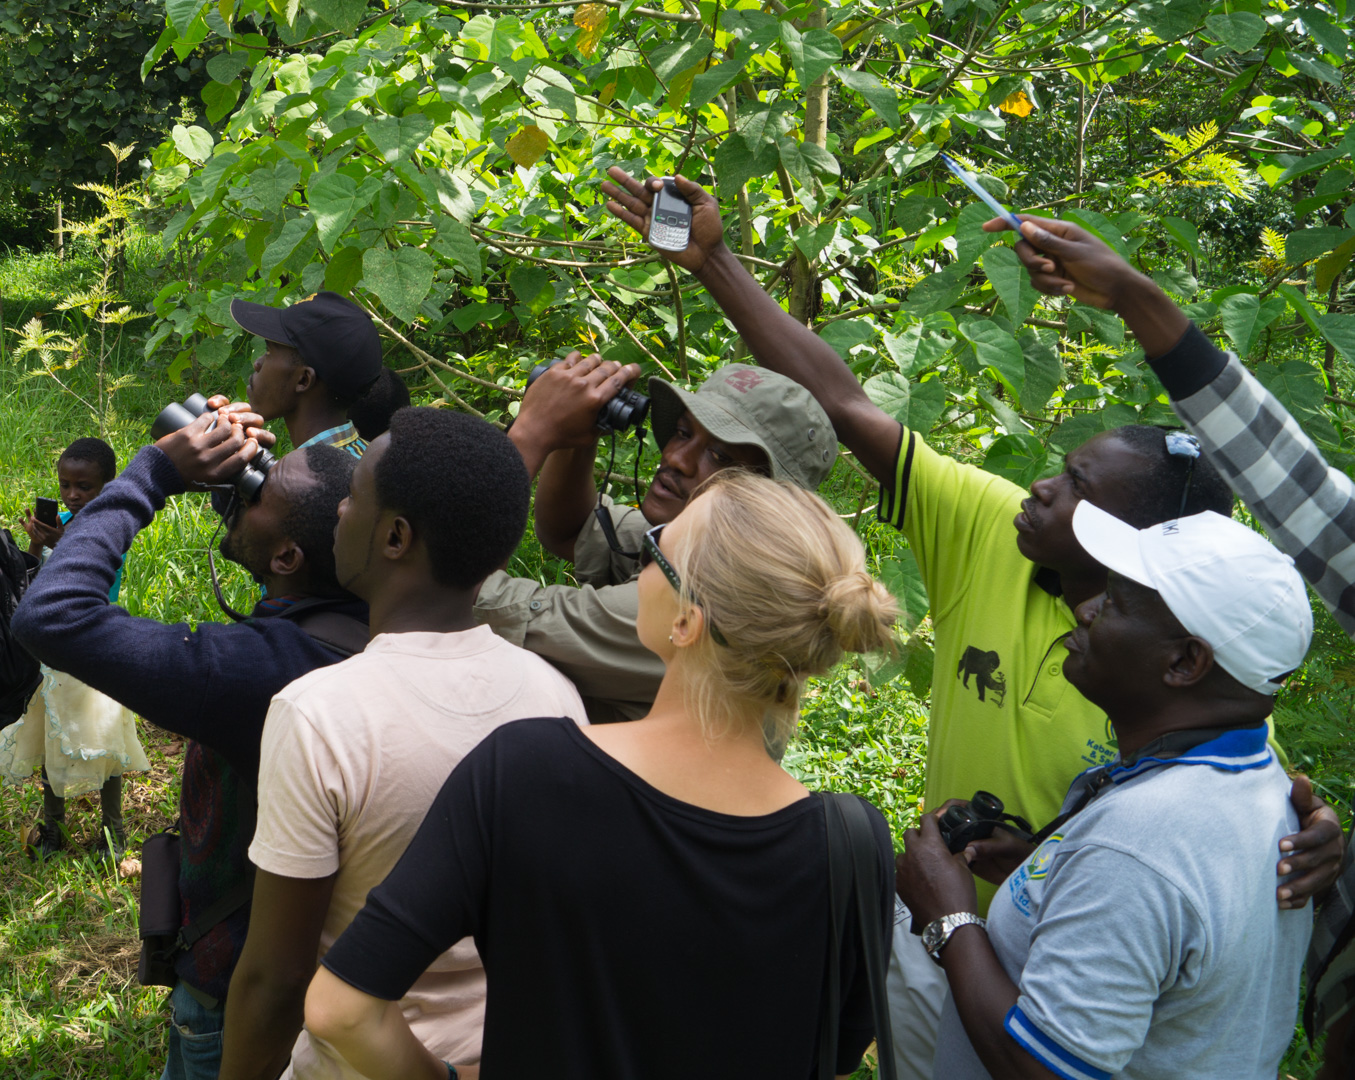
{"x":938,"y":932}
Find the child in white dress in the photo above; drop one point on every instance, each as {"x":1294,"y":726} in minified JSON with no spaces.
{"x":83,"y":739}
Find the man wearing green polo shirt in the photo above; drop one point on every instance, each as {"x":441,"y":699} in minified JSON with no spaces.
{"x":1003,"y":570}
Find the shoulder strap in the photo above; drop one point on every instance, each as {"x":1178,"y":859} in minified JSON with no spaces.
{"x":345,"y":634}
{"x":854,"y":866}
{"x":226,"y":905}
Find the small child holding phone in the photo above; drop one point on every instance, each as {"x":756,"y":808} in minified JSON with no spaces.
{"x":82,"y":739}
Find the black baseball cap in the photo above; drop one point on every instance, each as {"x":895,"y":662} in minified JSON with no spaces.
{"x":332,"y":334}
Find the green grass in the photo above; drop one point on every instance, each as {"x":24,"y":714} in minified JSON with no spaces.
{"x":69,"y":1003}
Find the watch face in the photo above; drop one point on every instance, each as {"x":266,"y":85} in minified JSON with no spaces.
{"x":933,"y":936}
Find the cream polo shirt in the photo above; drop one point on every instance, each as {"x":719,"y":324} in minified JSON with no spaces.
{"x":353,"y":756}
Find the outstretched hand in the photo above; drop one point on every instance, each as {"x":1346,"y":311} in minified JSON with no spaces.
{"x":630,"y":200}
{"x":1065,"y":260}
{"x":40,"y":534}
{"x":1313,"y":854}
{"x":215,"y":446}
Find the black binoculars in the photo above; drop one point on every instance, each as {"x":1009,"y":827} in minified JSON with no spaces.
{"x":249,"y":480}
{"x":975,"y":820}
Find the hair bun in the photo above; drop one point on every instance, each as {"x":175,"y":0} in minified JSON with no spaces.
{"x":860,"y":612}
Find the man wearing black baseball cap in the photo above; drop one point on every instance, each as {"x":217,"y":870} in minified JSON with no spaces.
{"x":321,"y":354}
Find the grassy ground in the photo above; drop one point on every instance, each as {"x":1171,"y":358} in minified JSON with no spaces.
{"x":69,"y":1003}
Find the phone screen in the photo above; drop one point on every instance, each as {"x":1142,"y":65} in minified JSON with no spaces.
{"x":670,"y":223}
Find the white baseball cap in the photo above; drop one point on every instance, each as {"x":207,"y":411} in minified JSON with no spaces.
{"x":1224,"y":582}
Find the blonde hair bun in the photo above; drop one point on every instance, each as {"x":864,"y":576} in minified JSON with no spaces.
{"x":859,"y":611}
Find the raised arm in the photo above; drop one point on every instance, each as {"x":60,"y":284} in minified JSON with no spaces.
{"x":556,"y":434}
{"x":774,"y":337}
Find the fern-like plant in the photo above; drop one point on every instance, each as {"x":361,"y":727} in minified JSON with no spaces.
{"x":1210,"y":169}
{"x":95,"y":316}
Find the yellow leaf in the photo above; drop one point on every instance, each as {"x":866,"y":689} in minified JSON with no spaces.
{"x":226,"y":8}
{"x":1017,"y":104}
{"x":592,"y":20}
{"x":527,"y":146}
{"x":680,"y":85}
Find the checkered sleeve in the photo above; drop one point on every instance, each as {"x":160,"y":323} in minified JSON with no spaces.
{"x":1306,"y":505}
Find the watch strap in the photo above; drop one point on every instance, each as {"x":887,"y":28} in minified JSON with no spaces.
{"x":946,"y":926}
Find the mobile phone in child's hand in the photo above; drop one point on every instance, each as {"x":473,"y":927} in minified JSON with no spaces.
{"x":47,"y":512}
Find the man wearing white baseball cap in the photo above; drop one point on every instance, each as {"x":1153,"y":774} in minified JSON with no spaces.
{"x":1138,"y":937}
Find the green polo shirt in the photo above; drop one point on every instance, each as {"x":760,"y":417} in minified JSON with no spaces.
{"x":1003,"y":717}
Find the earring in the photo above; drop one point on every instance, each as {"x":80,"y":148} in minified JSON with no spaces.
{"x":670,"y":639}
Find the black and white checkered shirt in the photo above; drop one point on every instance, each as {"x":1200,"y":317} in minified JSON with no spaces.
{"x":1306,"y":505}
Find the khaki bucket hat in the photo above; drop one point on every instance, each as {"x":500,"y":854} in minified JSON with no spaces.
{"x":750,"y":406}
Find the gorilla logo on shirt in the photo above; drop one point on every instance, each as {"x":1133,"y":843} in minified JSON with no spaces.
{"x":984,"y":667}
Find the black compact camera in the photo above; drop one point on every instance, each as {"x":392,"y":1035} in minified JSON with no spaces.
{"x":976,"y":820}
{"x":627,"y":410}
{"x":249,"y":480}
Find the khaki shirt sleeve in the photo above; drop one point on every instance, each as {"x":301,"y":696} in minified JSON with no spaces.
{"x":595,"y":563}
{"x":586,"y":633}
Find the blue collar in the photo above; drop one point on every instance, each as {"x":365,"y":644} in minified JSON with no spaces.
{"x":1236,"y":750}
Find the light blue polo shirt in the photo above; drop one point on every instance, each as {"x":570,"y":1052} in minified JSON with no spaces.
{"x":1144,"y":935}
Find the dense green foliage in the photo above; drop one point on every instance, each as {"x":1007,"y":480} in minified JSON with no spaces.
{"x":441,"y":161}
{"x":71,"y":80}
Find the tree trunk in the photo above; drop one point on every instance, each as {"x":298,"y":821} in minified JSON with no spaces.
{"x":803,"y":283}
{"x":60,"y":233}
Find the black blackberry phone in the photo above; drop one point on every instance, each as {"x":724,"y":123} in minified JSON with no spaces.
{"x":670,"y":222}
{"x":46,"y":512}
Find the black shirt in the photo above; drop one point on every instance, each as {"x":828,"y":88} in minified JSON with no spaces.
{"x":624,"y":933}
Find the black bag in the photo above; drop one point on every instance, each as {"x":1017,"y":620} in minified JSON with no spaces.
{"x":853,"y":867}
{"x":20,"y":674}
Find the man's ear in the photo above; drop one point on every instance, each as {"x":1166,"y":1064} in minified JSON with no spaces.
{"x":397,"y":537}
{"x":1189,"y":660}
{"x":305,"y":379}
{"x":287,"y":559}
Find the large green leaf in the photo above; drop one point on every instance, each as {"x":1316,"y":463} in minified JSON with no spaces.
{"x":903,"y":577}
{"x":1304,"y":245}
{"x":193,"y":142}
{"x":735,"y":164}
{"x":397,"y":137}
{"x":1043,"y":372}
{"x":811,"y":53}
{"x":343,"y":15}
{"x":1296,"y":384}
{"x":280,"y":250}
{"x":334,"y":200}
{"x":1240,"y":30}
{"x":182,"y":12}
{"x":914,"y":350}
{"x":883,"y":99}
{"x":455,"y":242}
{"x":1244,"y":316}
{"x":1340,"y":331}
{"x":937,"y":291}
{"x":997,"y":349}
{"x":1011,"y":281}
{"x":1186,"y":235}
{"x":1174,"y":19}
{"x":400,"y":278}
{"x":927,"y":400}
{"x":1021,"y":458}
{"x":891,"y":393}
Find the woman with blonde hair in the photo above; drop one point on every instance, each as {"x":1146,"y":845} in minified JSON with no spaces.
{"x":650,"y":899}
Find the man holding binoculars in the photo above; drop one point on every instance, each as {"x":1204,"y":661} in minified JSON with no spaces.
{"x":741,"y":415}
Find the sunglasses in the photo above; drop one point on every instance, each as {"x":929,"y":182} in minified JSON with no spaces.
{"x":650,"y":553}
{"x":1183,"y":444}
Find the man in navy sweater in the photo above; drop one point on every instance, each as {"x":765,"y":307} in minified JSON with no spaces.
{"x":211,"y":685}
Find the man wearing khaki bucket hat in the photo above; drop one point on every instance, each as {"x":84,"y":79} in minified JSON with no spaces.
{"x":740,"y":416}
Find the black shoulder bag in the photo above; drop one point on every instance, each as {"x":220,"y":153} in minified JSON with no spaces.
{"x":854,"y":867}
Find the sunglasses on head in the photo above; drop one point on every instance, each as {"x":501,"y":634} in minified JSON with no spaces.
{"x":651,"y":553}
{"x":1184,"y":444}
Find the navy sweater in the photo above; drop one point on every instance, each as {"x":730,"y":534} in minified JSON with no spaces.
{"x":212,"y":685}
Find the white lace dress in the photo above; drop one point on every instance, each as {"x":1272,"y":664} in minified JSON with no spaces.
{"x":82,"y":736}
